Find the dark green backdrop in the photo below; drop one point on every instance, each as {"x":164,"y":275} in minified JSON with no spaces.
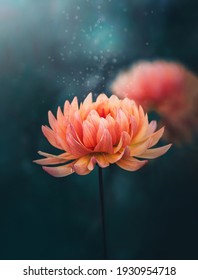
{"x":49,"y":52}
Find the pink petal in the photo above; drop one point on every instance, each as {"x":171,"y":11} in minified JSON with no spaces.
{"x":59,"y":171}
{"x":122,"y":121}
{"x":156,"y":136}
{"x":105,"y":143}
{"x":74,"y":104}
{"x":50,"y":161}
{"x":154,"y":153}
{"x":59,"y":115}
{"x":114,"y":129}
{"x":77,"y":124}
{"x":126,"y":139}
{"x":132,"y":126}
{"x":101,"y":128}
{"x":53,"y":159}
{"x":89,"y":134}
{"x":50,"y":135}
{"x":75,"y":147}
{"x":52,"y":120}
{"x":152,"y":127}
{"x":62,"y":156}
{"x":130,"y":164}
{"x":81,"y":165}
{"x":102,"y":98}
{"x":66,"y":108}
{"x":86,"y":107}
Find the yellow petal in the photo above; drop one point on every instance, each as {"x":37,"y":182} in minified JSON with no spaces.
{"x":114,"y":157}
{"x":101,"y":160}
{"x":50,"y":161}
{"x":142,"y":127}
{"x":138,"y":149}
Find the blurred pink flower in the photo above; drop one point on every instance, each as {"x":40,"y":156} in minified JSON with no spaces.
{"x":166,"y":87}
{"x":103,"y":132}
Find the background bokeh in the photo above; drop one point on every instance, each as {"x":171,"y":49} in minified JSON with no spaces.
{"x":50,"y":51}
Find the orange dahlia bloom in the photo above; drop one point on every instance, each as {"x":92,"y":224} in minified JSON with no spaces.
{"x":103,"y":132}
{"x":166,"y":87}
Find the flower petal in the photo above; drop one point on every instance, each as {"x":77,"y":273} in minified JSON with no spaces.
{"x":54,"y":159}
{"x":50,"y":135}
{"x":154,"y":153}
{"x":75,"y":147}
{"x":77,"y":124}
{"x":105,"y":144}
{"x":138,"y":149}
{"x":130,"y":163}
{"x":152,"y":127}
{"x":114,"y":157}
{"x":81,"y":165}
{"x":50,"y":161}
{"x":59,"y":171}
{"x":126,"y":139}
{"x":122,"y":121}
{"x":89,"y":134}
{"x":74,"y":104}
{"x":101,"y":160}
{"x":52,"y":120}
{"x":142,"y":126}
{"x":156,"y":136}
{"x":86,"y":106}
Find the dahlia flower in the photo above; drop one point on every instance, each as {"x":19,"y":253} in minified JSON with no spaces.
{"x":103,"y":132}
{"x":166,"y":87}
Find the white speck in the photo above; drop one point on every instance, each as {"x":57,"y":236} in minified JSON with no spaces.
{"x":147,"y":43}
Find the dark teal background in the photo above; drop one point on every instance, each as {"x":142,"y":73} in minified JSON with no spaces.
{"x":49,"y":52}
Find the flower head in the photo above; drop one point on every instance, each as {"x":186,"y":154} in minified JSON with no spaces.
{"x":103,"y":132}
{"x":166,"y":87}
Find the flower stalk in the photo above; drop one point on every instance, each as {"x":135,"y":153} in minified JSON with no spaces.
{"x":101,"y":190}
